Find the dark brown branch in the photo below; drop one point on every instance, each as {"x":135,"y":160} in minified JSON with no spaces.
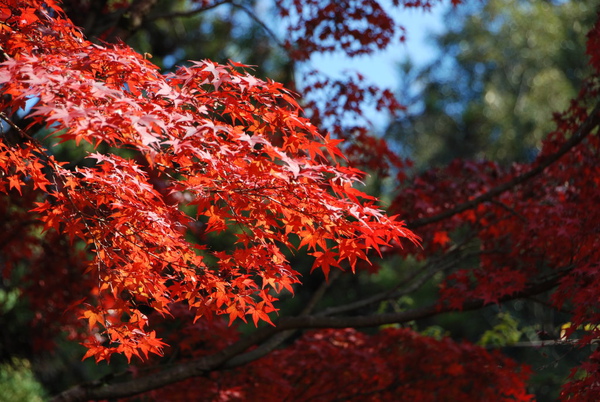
{"x":541,"y":344}
{"x":409,"y":315}
{"x":264,"y":349}
{"x":180,"y":372}
{"x":583,"y":131}
{"x":271,"y":336}
{"x":306,"y":322}
{"x":278,"y":338}
{"x":246,"y":10}
{"x":413,"y":283}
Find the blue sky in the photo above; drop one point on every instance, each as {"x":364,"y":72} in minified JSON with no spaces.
{"x":382,"y":68}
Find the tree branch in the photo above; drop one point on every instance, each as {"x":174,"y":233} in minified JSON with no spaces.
{"x":257,"y":20}
{"x":225,"y":358}
{"x":413,"y":283}
{"x":278,"y":338}
{"x":592,"y":121}
{"x":241,"y":7}
{"x":188,"y":13}
{"x":541,"y":344}
{"x":98,"y":390}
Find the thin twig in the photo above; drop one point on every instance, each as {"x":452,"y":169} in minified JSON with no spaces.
{"x":411,"y":284}
{"x":259,"y":22}
{"x":188,"y":13}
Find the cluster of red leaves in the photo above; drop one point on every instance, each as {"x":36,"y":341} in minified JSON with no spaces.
{"x":541,"y":231}
{"x":547,"y":223}
{"x":231,"y":146}
{"x":314,"y":27}
{"x":354,"y":27}
{"x":391,"y":365}
{"x":54,"y":268}
{"x":345,"y":117}
{"x":215,"y":147}
{"x":584,"y":379}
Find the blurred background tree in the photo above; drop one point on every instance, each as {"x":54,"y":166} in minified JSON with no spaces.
{"x":18,"y":383}
{"x":504,"y":66}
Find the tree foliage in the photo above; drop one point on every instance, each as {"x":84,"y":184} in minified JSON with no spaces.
{"x":229,"y":145}
{"x":481,"y":100}
{"x":117,"y":249}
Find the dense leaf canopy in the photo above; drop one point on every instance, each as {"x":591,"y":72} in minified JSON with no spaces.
{"x":200,"y":197}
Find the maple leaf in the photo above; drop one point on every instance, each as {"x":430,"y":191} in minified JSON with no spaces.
{"x":324,"y":260}
{"x":14,"y":182}
{"x":441,"y":238}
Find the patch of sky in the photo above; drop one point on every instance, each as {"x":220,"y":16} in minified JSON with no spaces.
{"x":383,"y":68}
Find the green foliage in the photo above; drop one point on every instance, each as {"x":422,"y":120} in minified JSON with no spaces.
{"x":8,"y":300}
{"x":505,"y":66}
{"x":505,"y":333}
{"x":17,"y":382}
